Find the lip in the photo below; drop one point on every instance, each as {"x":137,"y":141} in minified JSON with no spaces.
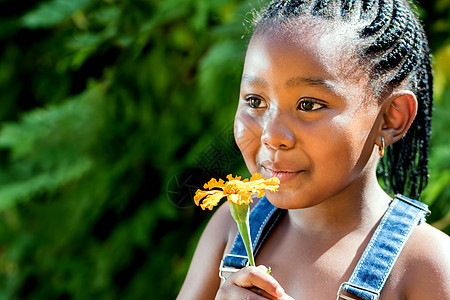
{"x":284,"y":172}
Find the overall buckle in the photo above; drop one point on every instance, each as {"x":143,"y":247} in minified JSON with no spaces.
{"x":404,"y":199}
{"x":226,"y":269}
{"x":341,"y":289}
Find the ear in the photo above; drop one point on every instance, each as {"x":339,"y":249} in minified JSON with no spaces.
{"x":400,"y":109}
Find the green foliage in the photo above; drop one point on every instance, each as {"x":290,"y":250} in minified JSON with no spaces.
{"x":437,"y":193}
{"x":113,"y":112}
{"x":51,"y":13}
{"x":438,"y":189}
{"x":106,"y":106}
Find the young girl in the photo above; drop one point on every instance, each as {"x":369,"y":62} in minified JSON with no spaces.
{"x":326,"y":86}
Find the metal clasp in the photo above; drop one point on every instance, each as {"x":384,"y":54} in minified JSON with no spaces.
{"x":341,"y":289}
{"x":404,"y":199}
{"x":226,"y":269}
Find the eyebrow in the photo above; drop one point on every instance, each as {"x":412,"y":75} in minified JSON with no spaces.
{"x":308,"y":81}
{"x":255,"y":80}
{"x":292,"y":82}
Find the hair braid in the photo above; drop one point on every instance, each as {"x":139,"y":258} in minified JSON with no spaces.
{"x":346,"y":7}
{"x":398,"y":53}
{"x":273,"y":10}
{"x":391,"y":35}
{"x":408,"y":158}
{"x":425,"y":95}
{"x":394,"y":50}
{"x":280,"y":8}
{"x":413,"y":57}
{"x":408,"y":66}
{"x":383,"y":16}
{"x":320,"y":8}
{"x":293,"y":7}
{"x":366,"y":6}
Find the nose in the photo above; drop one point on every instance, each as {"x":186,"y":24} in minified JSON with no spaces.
{"x":276,"y":133}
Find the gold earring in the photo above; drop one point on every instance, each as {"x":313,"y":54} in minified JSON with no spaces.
{"x":381,"y":148}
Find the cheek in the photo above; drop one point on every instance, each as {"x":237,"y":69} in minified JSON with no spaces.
{"x":350,"y":140}
{"x":247,"y":133}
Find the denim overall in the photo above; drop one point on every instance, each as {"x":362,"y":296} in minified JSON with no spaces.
{"x":375,"y":264}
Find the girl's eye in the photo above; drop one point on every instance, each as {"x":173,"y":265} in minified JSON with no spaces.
{"x":255,"y":102}
{"x":309,"y":105}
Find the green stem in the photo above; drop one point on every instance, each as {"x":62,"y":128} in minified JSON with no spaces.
{"x":240,"y":214}
{"x":244,"y":229}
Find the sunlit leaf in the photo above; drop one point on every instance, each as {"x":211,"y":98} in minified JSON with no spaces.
{"x":51,"y":13}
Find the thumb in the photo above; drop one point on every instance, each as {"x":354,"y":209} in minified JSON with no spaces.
{"x":285,"y":297}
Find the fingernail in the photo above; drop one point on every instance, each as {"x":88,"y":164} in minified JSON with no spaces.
{"x":279,"y":291}
{"x":263,"y":268}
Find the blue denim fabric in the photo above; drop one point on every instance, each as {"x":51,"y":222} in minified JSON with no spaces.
{"x":260,"y":215}
{"x":374,"y":266}
{"x":387,"y":242}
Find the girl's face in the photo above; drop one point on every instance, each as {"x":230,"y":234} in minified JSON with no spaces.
{"x":304,"y":116}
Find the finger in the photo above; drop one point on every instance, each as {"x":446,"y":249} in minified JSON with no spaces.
{"x":231,"y":291}
{"x":285,"y":297}
{"x":258,"y":277}
{"x":262,"y":293}
{"x":268,"y":296}
{"x":264,"y":268}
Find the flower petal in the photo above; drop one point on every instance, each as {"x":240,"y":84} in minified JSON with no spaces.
{"x":260,"y":193}
{"x":212,"y":200}
{"x":230,"y":177}
{"x":256,"y":176}
{"x":199,"y":195}
{"x":213,"y":183}
{"x":272,"y":184}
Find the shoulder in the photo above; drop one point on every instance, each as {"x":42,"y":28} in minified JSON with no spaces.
{"x":202,"y":280}
{"x":430,"y":246}
{"x":427,"y":262}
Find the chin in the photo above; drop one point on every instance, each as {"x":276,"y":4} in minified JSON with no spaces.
{"x":285,"y":200}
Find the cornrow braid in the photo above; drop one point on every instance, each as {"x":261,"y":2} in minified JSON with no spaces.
{"x":279,"y":8}
{"x":320,"y":8}
{"x":398,"y":53}
{"x":393,"y":49}
{"x":384,"y":14}
{"x":347,"y":7}
{"x":293,"y":6}
{"x":391,"y":34}
{"x":411,"y":59}
{"x":366,"y":6}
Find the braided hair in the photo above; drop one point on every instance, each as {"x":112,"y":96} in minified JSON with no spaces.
{"x":394,"y":51}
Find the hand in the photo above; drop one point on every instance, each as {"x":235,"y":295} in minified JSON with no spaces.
{"x":251,"y":283}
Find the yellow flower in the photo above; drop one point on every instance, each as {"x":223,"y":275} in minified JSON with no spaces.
{"x":236,"y":191}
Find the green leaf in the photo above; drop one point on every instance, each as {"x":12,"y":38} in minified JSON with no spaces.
{"x":53,"y":12}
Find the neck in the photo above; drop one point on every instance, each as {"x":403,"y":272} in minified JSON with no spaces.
{"x":349,"y":211}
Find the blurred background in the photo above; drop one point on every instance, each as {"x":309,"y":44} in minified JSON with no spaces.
{"x":112,"y":114}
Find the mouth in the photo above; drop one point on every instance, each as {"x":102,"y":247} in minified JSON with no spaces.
{"x":283,"y":174}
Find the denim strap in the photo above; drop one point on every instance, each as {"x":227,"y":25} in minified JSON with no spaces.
{"x":375,"y":264}
{"x":264,"y":213}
